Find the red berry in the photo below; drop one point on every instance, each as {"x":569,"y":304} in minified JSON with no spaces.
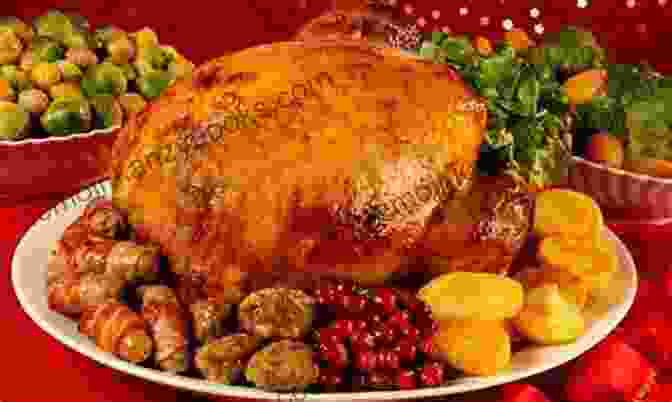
{"x":329,"y":335}
{"x":407,"y":379}
{"x":335,"y":354}
{"x":379,"y":379}
{"x":408,"y":300}
{"x":343,"y":300}
{"x":380,"y":359}
{"x":361,"y":340}
{"x":359,"y":325}
{"x":358,"y":304}
{"x":426,"y":324}
{"x":342,"y":288}
{"x":427,"y":346}
{"x":400,"y":319}
{"x":334,"y":379}
{"x":411,"y":333}
{"x":386,"y":298}
{"x":390,"y":360}
{"x":376,"y":319}
{"x":343,"y":327}
{"x":365,"y":360}
{"x":325,"y":294}
{"x":431,"y":374}
{"x":406,"y":349}
{"x":389,"y":334}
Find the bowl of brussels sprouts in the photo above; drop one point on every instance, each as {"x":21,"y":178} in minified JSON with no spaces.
{"x":65,"y":90}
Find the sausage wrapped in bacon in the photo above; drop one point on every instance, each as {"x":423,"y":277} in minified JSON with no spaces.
{"x":168,"y":325}
{"x":87,"y":253}
{"x":118,"y":330}
{"x":71,"y":295}
{"x":104,"y":219}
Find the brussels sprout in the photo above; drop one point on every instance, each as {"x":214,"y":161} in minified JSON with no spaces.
{"x":180,"y":66}
{"x":79,"y":39}
{"x":66,"y":90}
{"x":18,"y":78}
{"x":7,"y":93}
{"x":70,"y":71}
{"x":145,"y":38}
{"x":21,"y":29}
{"x":121,"y":50}
{"x":46,"y":50}
{"x":152,"y":84}
{"x":44,"y":75}
{"x":129,"y":71}
{"x":104,"y":79}
{"x":14,"y":121}
{"x":33,"y":100}
{"x":10,"y":47}
{"x":78,"y":21}
{"x":67,"y":116}
{"x":107,"y":111}
{"x":181,"y":69}
{"x":106,"y":34}
{"x":152,"y":59}
{"x":54,"y":24}
{"x":132,"y":103}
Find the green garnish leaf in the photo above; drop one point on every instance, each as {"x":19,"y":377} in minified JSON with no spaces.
{"x":528,"y":94}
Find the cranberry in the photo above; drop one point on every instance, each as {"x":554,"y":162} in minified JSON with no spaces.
{"x":425,"y":323}
{"x":377,"y":332}
{"x":431,"y":374}
{"x":359,"y":325}
{"x":386,"y":298}
{"x":358,"y":304}
{"x":335,"y":354}
{"x":408,"y":300}
{"x":400,"y":319}
{"x":365,"y":360}
{"x":389,"y":334}
{"x":406,"y":349}
{"x":376,"y":318}
{"x":390,"y":360}
{"x":427,"y":346}
{"x":342,"y":288}
{"x":361,"y":340}
{"x":331,"y":379}
{"x":343,"y":327}
{"x":411,"y":333}
{"x":325,"y":294}
{"x":329,"y":335}
{"x":406,"y":379}
{"x":378,"y":379}
{"x":343,"y":300}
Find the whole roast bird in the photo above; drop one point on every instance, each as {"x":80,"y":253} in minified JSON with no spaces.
{"x":300,"y":161}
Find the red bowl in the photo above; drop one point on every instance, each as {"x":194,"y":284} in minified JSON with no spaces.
{"x":628,"y":196}
{"x":38,"y":168}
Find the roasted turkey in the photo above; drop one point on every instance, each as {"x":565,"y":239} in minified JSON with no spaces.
{"x":296,"y":161}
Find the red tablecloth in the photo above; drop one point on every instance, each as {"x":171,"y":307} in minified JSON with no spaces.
{"x":36,"y":368}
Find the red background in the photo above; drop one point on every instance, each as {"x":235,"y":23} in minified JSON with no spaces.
{"x":36,"y":368}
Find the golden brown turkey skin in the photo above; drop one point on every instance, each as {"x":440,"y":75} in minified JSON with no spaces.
{"x":326,"y":159}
